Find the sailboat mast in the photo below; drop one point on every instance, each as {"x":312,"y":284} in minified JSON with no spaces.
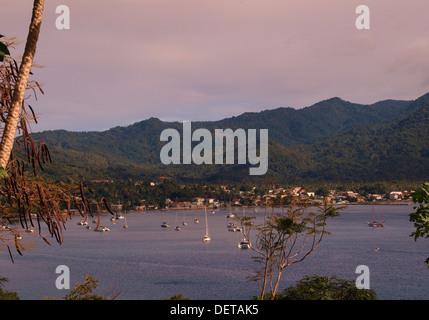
{"x":207,"y":225}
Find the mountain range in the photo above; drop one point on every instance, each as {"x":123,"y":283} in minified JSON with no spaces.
{"x":332,"y":140}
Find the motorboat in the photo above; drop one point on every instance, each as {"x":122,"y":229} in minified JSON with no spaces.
{"x":103,"y":229}
{"x":244,"y":244}
{"x":232,"y":227}
{"x":165,"y":224}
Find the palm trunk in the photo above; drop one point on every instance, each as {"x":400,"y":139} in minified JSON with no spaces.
{"x":14,"y":113}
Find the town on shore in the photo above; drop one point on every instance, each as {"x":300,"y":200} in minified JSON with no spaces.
{"x":275,"y":197}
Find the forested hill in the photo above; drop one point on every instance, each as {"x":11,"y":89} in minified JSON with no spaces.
{"x":331,"y":140}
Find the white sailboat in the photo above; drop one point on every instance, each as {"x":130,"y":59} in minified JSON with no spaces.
{"x":178,"y":228}
{"x":184,"y":223}
{"x":102,"y":229}
{"x":374,"y":223}
{"x":206,"y":237}
{"x":164,"y":223}
{"x":232,"y":227}
{"x":244,"y":243}
{"x":196,"y":218}
{"x":230,"y":215}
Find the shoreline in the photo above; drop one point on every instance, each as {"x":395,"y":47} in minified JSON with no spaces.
{"x":383,"y":203}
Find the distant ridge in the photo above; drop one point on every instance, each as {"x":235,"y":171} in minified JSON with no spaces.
{"x":332,"y":140}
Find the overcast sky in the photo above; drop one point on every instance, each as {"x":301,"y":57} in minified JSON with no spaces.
{"x":123,"y":61}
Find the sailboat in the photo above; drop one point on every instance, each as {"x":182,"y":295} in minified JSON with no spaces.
{"x":164,"y":223}
{"x":206,"y":237}
{"x":374,"y":223}
{"x":196,"y":218}
{"x":178,"y":228}
{"x":184,"y":223}
{"x":125,"y":223}
{"x":244,"y":243}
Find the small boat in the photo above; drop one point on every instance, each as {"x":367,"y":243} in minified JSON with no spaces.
{"x":178,"y":228}
{"x":206,"y":237}
{"x":184,"y":223}
{"x":125,"y":225}
{"x":29,"y":230}
{"x":196,"y":220}
{"x":230,"y":215}
{"x":119,"y":216}
{"x":244,"y":244}
{"x":374,"y":223}
{"x":103,"y":229}
{"x":82,"y":223}
{"x":232,"y":227}
{"x":165,"y":224}
{"x":18,"y":237}
{"x":212,"y":212}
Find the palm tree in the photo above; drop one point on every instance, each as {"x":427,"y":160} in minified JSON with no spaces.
{"x":14,"y":113}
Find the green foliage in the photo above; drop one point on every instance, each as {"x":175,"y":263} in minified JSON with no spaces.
{"x":84,"y":291}
{"x":331,"y":141}
{"x":3,"y":50}
{"x":7,"y":295}
{"x":421,"y":216}
{"x":285,"y":239}
{"x":325,"y":288}
{"x":178,"y":297}
{"x":3,"y":173}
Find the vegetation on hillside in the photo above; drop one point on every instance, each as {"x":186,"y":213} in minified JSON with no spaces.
{"x":367,"y":152}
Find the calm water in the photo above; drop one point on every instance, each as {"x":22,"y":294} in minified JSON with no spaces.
{"x":146,"y":261}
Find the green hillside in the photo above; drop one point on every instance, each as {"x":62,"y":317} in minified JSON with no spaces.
{"x":333,"y":140}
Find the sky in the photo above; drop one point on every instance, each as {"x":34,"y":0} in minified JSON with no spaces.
{"x":124,"y":61}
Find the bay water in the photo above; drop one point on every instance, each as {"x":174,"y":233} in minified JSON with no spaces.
{"x":147,"y":262}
